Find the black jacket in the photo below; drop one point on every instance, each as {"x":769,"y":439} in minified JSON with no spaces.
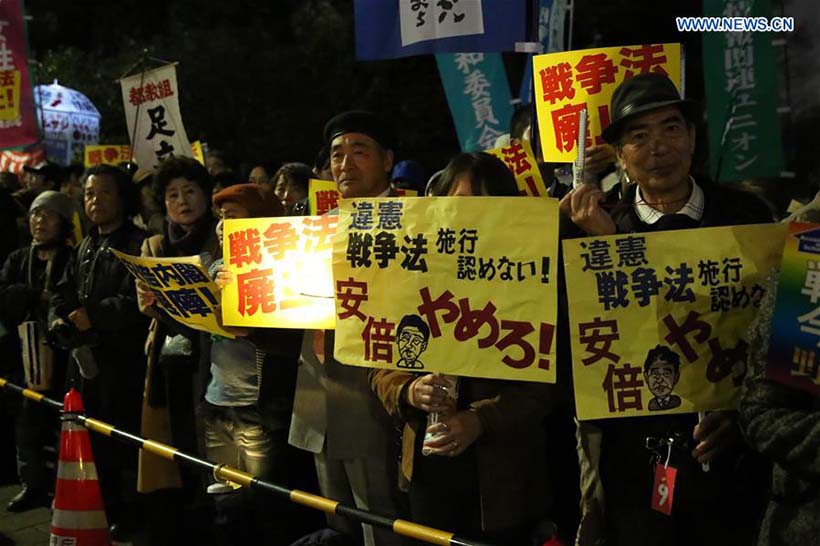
{"x":97,"y":280}
{"x":722,"y":207}
{"x":22,"y":282}
{"x":718,"y":507}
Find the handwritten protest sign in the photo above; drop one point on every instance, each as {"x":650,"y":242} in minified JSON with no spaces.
{"x":568,"y":82}
{"x":283,"y":272}
{"x":433,"y":284}
{"x":182,"y":288}
{"x":794,"y":346}
{"x":520,"y":160}
{"x":658,"y":320}
{"x":106,"y":154}
{"x":151,"y":103}
{"x":324,"y":197}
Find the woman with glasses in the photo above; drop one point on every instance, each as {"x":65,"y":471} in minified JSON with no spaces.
{"x":28,"y":277}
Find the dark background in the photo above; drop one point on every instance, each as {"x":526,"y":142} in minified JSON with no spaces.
{"x":259,"y":78}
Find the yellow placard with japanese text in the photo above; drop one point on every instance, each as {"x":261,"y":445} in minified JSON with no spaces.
{"x":658,"y":321}
{"x":182,"y":288}
{"x":521,"y":161}
{"x":283,"y":277}
{"x":324,"y":197}
{"x":433,"y":284}
{"x":9,"y":94}
{"x":199,"y":154}
{"x":568,"y":82}
{"x":106,"y":154}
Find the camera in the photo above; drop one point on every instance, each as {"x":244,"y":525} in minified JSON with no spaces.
{"x":66,"y":336}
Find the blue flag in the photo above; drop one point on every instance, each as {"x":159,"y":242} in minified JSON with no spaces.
{"x":386,"y":29}
{"x":479,"y":97}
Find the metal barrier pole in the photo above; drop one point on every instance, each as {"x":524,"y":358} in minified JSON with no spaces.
{"x":225,"y":472}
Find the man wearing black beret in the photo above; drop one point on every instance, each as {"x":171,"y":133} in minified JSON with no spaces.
{"x":335,"y":414}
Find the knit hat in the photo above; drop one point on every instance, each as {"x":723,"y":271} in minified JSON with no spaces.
{"x":56,"y":202}
{"x":258,"y":199}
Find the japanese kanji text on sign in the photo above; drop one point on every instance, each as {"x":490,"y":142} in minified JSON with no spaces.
{"x":658,"y":320}
{"x":569,"y":82}
{"x":283,"y":274}
{"x":433,"y":284}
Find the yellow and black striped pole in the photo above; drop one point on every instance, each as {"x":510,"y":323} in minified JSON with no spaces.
{"x":227,"y":473}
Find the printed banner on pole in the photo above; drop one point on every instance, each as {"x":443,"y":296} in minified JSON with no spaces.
{"x":182,"y":288}
{"x":401,"y":28}
{"x":106,"y":154}
{"x":154,"y":95}
{"x":282,"y":269}
{"x":432,"y":284}
{"x":658,"y":320}
{"x":18,"y":124}
{"x":324,"y":197}
{"x":479,"y":97}
{"x":741,"y":93}
{"x":520,"y":160}
{"x":794,"y":346}
{"x":567,"y":83}
{"x":551,"y":20}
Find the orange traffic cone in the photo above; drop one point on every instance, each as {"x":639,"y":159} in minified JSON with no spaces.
{"x":79,"y":515}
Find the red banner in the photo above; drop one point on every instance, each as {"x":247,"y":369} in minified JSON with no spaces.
{"x":18,"y":125}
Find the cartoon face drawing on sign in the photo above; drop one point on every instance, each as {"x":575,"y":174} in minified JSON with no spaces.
{"x":662,"y":372}
{"x":411,"y":337}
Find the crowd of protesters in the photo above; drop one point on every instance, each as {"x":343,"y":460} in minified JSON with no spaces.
{"x":504,"y":462}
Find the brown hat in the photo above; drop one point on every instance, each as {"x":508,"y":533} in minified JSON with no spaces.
{"x":260,"y":202}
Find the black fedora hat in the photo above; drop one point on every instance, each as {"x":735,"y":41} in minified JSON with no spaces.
{"x":644,"y":93}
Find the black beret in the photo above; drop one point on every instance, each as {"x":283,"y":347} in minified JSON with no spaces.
{"x":358,"y":121}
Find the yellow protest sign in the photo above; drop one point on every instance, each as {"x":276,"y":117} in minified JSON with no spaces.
{"x":199,"y":154}
{"x":182,"y":288}
{"x":9,"y":94}
{"x":106,"y":154}
{"x":521,"y":161}
{"x":658,"y":320}
{"x":433,"y":284}
{"x":324,"y":197}
{"x":567,"y":83}
{"x":282,"y":271}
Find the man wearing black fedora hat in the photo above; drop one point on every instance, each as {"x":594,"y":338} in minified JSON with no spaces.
{"x":335,"y":414}
{"x":653,"y":131}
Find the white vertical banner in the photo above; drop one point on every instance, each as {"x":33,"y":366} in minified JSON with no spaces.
{"x":151,"y":101}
